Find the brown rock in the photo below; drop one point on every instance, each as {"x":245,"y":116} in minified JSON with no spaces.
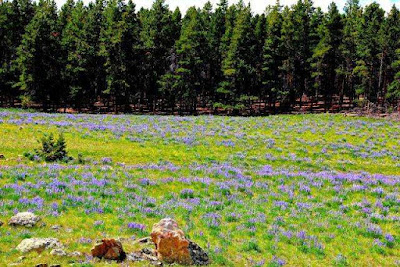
{"x":170,"y":241}
{"x":109,"y":249}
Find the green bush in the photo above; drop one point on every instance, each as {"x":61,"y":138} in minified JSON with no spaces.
{"x":51,"y":150}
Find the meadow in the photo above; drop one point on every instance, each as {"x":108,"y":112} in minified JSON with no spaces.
{"x":288,"y":190}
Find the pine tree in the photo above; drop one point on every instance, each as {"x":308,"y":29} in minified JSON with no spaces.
{"x":95,"y":61}
{"x":176,"y":24}
{"x":394,"y":88}
{"x":66,"y":13}
{"x":38,"y":56}
{"x":111,"y":49}
{"x":64,"y":18}
{"x":5,"y":53}
{"x":368,"y":50}
{"x":389,"y":39}
{"x":158,"y":40}
{"x":209,"y":55}
{"x":220,"y":22}
{"x":287,"y":90}
{"x":76,"y":69}
{"x":302,"y":45}
{"x":272,"y":56}
{"x":230,"y":19}
{"x":351,"y":35}
{"x":131,"y":49}
{"x":187,"y":80}
{"x":236,"y":66}
{"x":326,"y":58}
{"x":259,"y":24}
{"x":14,"y":16}
{"x":216,"y":32}
{"x":393,"y":43}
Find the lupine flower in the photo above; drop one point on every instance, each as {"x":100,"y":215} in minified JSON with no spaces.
{"x":136,"y":226}
{"x":187,"y":193}
{"x":277,"y":262}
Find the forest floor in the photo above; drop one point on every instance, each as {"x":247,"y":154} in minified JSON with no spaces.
{"x":303,"y":190}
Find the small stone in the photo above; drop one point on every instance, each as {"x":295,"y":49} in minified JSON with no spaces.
{"x":69,"y":230}
{"x":27,"y":219}
{"x":109,"y":249}
{"x":135,"y":256}
{"x":38,"y":244}
{"x":150,"y":258}
{"x":41,"y":265}
{"x":58,"y":252}
{"x":55,"y":227}
{"x":2,"y":156}
{"x":75,"y":254}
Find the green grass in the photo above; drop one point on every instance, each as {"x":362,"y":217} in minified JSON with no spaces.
{"x":235,"y":211}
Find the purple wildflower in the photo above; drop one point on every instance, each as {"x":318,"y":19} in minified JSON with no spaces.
{"x":136,"y":226}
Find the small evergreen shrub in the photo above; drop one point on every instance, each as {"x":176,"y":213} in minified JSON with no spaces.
{"x":51,"y":150}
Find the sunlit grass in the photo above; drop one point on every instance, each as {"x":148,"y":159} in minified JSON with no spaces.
{"x":257,"y":184}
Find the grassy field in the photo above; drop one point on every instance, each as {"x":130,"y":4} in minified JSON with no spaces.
{"x":310,"y":190}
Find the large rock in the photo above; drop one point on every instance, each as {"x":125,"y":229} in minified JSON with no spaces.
{"x":38,"y":244}
{"x":27,"y":219}
{"x":173,"y":247}
{"x":170,"y":241}
{"x":109,"y":249}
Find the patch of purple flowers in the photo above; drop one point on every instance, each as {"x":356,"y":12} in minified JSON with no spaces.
{"x":136,"y":226}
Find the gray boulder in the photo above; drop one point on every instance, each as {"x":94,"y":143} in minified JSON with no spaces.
{"x":38,"y":244}
{"x":27,"y":219}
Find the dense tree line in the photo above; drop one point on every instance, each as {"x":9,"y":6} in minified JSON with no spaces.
{"x":216,"y":58}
